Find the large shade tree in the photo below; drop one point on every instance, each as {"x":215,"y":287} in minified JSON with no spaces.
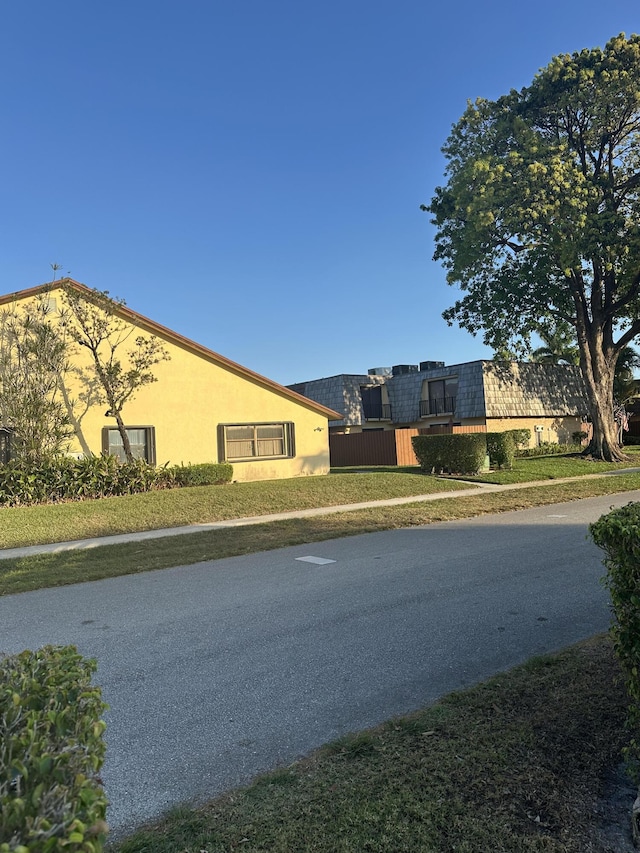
{"x":539,"y":221}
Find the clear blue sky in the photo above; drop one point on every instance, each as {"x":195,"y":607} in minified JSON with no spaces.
{"x":249,"y":172}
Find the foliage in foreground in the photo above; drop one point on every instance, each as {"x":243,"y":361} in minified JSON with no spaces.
{"x":51,"y":749}
{"x":515,"y":765}
{"x":618,"y":534}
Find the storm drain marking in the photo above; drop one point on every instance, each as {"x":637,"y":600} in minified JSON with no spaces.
{"x":318,"y":561}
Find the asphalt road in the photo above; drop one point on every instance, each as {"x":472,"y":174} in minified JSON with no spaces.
{"x":218,"y":671}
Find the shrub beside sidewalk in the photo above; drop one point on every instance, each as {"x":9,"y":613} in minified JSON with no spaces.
{"x":51,"y":749}
{"x":618,"y":534}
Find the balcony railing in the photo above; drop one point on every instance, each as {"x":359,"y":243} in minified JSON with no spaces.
{"x":437,"y":406}
{"x":377,"y":411}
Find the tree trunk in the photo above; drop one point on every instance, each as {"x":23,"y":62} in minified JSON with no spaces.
{"x":126,"y":445}
{"x":598,"y":371}
{"x":604,"y":441}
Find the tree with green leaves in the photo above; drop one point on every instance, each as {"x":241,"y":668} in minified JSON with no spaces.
{"x":120,"y":359}
{"x":34,"y":358}
{"x":539,"y":221}
{"x":559,"y":345}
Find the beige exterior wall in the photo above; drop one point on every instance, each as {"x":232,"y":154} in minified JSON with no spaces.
{"x":556,"y":430}
{"x":423,"y":423}
{"x":192,"y":397}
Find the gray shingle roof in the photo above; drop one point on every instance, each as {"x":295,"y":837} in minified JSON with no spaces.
{"x":527,"y":389}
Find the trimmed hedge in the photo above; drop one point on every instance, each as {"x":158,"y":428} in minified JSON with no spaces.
{"x":521,"y":437}
{"x":205,"y":474}
{"x":618,"y":534}
{"x":68,"y":479}
{"x":459,"y":454}
{"x":548,"y":449}
{"x":51,"y":749}
{"x":501,"y":447}
{"x":65,"y":478}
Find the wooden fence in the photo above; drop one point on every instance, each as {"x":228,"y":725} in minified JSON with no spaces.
{"x":388,"y":447}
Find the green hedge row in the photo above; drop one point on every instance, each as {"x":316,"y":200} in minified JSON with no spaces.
{"x":618,"y":534}
{"x":51,"y":749}
{"x":204,"y":474}
{"x":463,"y":453}
{"x":501,"y":447}
{"x":65,"y":479}
{"x":466,"y":453}
{"x":549,"y":449}
{"x":459,"y":454}
{"x":521,"y":437}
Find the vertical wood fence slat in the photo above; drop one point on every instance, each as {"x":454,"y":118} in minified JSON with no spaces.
{"x":388,"y":447}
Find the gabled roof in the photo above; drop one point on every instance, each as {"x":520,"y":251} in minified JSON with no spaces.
{"x":154,"y":328}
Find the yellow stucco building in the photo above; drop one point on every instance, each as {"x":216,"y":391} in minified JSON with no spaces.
{"x":202,"y":408}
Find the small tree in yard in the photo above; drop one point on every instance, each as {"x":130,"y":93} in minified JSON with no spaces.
{"x":93,"y":323}
{"x":33,"y":362}
{"x":539,"y":222}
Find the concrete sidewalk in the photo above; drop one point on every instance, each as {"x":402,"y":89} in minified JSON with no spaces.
{"x":98,"y":541}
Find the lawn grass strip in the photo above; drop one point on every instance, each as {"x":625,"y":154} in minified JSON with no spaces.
{"x":22,"y":574}
{"x":64,"y":522}
{"x":33,"y":525}
{"x":516,"y":764}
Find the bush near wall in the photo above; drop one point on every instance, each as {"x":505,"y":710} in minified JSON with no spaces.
{"x":459,"y":453}
{"x":521,"y":437}
{"x":618,"y":534}
{"x":67,"y":479}
{"x":501,"y":447}
{"x":548,"y":449}
{"x":51,"y":749}
{"x":205,"y":474}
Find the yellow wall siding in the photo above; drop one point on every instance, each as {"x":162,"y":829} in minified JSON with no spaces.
{"x":192,"y":396}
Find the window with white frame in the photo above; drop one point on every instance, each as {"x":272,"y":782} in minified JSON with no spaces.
{"x":257,"y":441}
{"x":141,"y":439}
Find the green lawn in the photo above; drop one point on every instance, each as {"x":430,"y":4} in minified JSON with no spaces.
{"x":28,"y":573}
{"x":176,"y":507}
{"x":514,"y":765}
{"x":554,"y":468}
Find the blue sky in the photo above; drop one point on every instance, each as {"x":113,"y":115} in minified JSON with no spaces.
{"x":250,"y":173}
